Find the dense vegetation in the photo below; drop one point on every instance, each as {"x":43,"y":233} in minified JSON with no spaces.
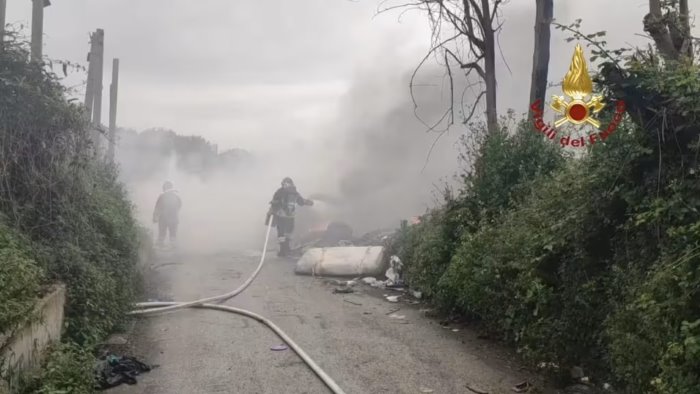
{"x":144,"y":154}
{"x":589,"y":261}
{"x":64,"y":215}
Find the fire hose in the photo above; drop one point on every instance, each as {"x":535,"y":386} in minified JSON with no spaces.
{"x":155,"y":307}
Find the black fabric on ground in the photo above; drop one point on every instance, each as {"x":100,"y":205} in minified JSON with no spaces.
{"x":113,"y":371}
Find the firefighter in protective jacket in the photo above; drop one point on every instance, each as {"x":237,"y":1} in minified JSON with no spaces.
{"x":166,"y":213}
{"x":283,"y":207}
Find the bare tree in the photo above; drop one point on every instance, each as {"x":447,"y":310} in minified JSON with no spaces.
{"x":668,"y":24}
{"x":463,"y":36}
{"x":540,"y":57}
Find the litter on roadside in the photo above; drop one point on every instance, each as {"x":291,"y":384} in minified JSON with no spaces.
{"x":369,"y":280}
{"x":279,"y":348}
{"x":395,"y":316}
{"x":522,"y":387}
{"x":392,"y":298}
{"x":343,"y":290}
{"x":426,"y":390}
{"x":341,"y":261}
{"x":393,"y":274}
{"x":112,"y":371}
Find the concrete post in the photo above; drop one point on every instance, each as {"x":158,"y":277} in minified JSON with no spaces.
{"x":38,"y":28}
{"x":113,"y":89}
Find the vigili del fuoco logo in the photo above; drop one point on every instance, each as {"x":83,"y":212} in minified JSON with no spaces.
{"x":579,"y":106}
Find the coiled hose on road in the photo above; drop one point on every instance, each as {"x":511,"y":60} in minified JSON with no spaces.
{"x":151,"y":308}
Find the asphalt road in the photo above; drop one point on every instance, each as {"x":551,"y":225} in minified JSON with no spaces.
{"x":351,"y":336}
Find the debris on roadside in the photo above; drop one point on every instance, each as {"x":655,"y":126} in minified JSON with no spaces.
{"x":392,"y":298}
{"x":522,"y":387}
{"x":343,"y":290}
{"x":393,"y":274}
{"x":352,"y":302}
{"x":341,"y":261}
{"x":279,"y":348}
{"x":416,"y":294}
{"x":426,"y":390}
{"x":395,"y":316}
{"x":112,"y":371}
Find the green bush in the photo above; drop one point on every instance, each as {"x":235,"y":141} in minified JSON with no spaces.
{"x":69,"y":207}
{"x":20,"y":277}
{"x":594,"y":263}
{"x":69,"y":368}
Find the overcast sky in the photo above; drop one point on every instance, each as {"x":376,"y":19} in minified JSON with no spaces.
{"x":251,"y":73}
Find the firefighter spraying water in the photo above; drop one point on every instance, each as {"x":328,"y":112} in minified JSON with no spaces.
{"x":283,"y":208}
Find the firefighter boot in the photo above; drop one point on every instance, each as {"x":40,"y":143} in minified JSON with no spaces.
{"x":284,"y":247}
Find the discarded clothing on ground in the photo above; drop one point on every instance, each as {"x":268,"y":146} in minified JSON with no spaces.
{"x":111,"y":371}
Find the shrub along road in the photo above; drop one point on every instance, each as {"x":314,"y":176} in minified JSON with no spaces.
{"x":360,"y":346}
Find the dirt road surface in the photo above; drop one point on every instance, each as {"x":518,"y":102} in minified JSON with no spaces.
{"x":353,"y":337}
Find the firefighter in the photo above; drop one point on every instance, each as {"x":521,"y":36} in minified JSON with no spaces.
{"x":166,"y":213}
{"x":282,"y":207}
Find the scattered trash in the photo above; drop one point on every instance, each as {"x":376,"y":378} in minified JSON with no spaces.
{"x":476,"y":390}
{"x":392,"y":298}
{"x":366,"y":313}
{"x":352,"y":302}
{"x":393,"y":274}
{"x":416,"y":294}
{"x":585,"y":379}
{"x":279,"y":348}
{"x":548,"y":365}
{"x":394,"y":316}
{"x":455,"y":329}
{"x":111,"y":371}
{"x":414,"y":302}
{"x":522,"y":387}
{"x":343,"y":290}
{"x":607,"y":386}
{"x":369,"y":280}
{"x":341,"y":261}
{"x":426,"y":390}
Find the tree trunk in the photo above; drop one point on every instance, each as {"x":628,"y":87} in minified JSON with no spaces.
{"x":540,"y":57}
{"x":657,"y":29}
{"x":687,"y":46}
{"x":489,"y":67}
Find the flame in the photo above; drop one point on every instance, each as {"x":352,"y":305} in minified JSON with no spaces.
{"x":577,"y":83}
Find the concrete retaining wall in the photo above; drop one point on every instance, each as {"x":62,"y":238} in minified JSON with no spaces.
{"x":25,"y":349}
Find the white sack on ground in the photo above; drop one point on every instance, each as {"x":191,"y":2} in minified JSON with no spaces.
{"x":341,"y":261}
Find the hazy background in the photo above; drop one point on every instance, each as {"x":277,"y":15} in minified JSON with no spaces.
{"x":312,"y":89}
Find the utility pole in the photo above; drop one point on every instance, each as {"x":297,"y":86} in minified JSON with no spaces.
{"x":37,"y":27}
{"x":99,"y":59}
{"x":3,"y":7}
{"x":93,"y":89}
{"x":90,"y":85}
{"x":113,"y":88}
